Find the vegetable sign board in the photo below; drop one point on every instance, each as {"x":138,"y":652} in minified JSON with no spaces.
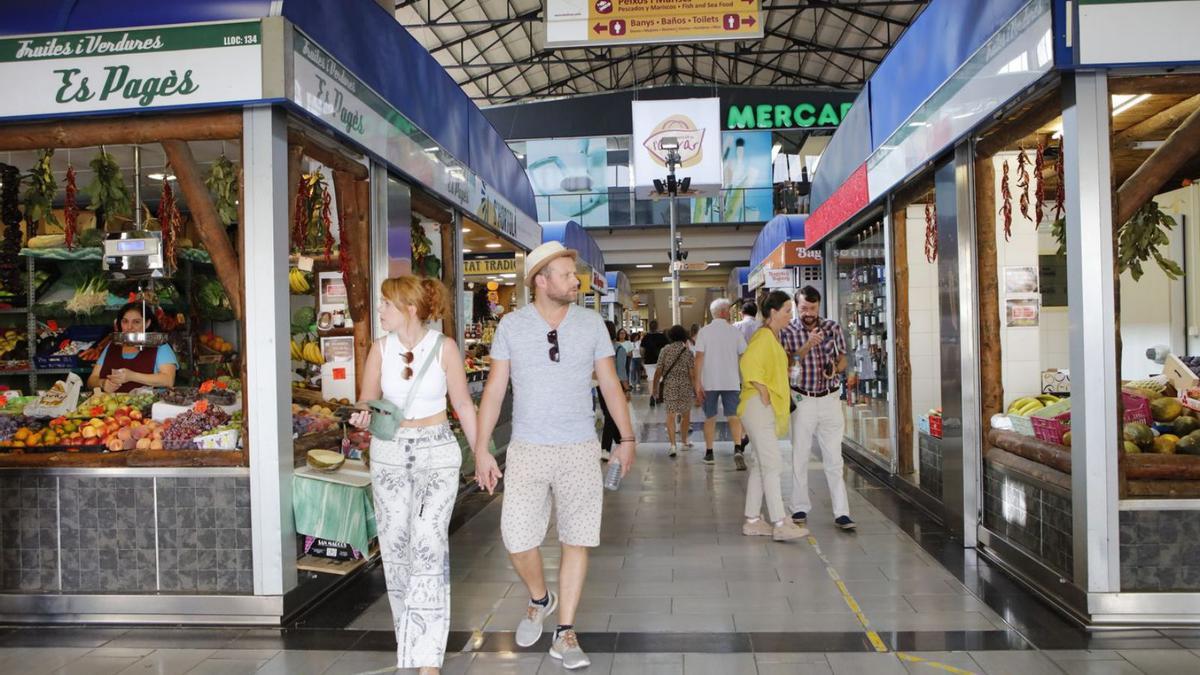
{"x":695,"y":123}
{"x":1138,"y":31}
{"x":611,"y":22}
{"x":132,"y":69}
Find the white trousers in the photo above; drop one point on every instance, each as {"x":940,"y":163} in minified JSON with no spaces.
{"x":820,"y":417}
{"x":415,"y":481}
{"x":766,"y":466}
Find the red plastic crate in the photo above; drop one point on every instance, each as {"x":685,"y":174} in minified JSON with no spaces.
{"x":935,"y":426}
{"x":1051,"y":429}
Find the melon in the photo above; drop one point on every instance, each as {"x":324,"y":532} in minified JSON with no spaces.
{"x":1139,"y":433}
{"x":1165,"y":444}
{"x":1131,"y":447}
{"x":1189,"y":445}
{"x":1184,"y":425}
{"x":1165,"y":409}
{"x":326,"y":460}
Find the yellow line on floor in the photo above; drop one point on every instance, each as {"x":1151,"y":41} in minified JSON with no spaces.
{"x":933,"y":664}
{"x":876,"y":641}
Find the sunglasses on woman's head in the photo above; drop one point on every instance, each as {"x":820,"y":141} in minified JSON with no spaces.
{"x":408,"y":359}
{"x":552,"y":338}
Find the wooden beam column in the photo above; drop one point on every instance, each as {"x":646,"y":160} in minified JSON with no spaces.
{"x":991,"y":372}
{"x":209,"y":126}
{"x":351,"y":217}
{"x":904,"y":405}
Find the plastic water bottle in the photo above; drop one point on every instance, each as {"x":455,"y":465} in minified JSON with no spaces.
{"x":612,"y":479}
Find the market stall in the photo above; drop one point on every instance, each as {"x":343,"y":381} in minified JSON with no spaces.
{"x":617,"y":304}
{"x":779,"y":258}
{"x":737,"y":287}
{"x":231,"y":228}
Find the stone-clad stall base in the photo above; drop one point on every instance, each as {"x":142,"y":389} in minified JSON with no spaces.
{"x":1030,"y":514}
{"x":1160,"y":550}
{"x":930,"y":457}
{"x":125,"y":534}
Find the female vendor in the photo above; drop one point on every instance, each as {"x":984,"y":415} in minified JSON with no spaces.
{"x":128,"y":367}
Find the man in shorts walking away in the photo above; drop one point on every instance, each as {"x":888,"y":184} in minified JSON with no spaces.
{"x":550,"y":349}
{"x":718,"y":347}
{"x":652,"y":344}
{"x":817,"y":347}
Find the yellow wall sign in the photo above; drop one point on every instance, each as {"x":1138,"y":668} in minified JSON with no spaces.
{"x":582,"y":22}
{"x":484,"y":266}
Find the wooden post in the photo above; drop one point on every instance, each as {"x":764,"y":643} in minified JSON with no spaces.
{"x":295,"y":159}
{"x":357,"y":291}
{"x":208,"y":223}
{"x":1167,"y":119}
{"x":904,"y":405}
{"x":205,"y":126}
{"x":331,"y":158}
{"x":991,"y":372}
{"x":1176,"y":152}
{"x":450,"y":279}
{"x":241,"y":248}
{"x":360,"y":249}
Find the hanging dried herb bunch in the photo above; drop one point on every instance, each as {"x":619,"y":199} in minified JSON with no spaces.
{"x":221,"y":181}
{"x":312,"y":229}
{"x":71,"y":210}
{"x":39,"y":196}
{"x":107,"y":191}
{"x":1006,"y":202}
{"x":1139,"y":239}
{"x":425,"y":262}
{"x":931,"y":233}
{"x":169,"y":221}
{"x":1023,"y":182}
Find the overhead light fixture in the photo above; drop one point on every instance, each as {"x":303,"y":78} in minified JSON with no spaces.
{"x":431,"y":150}
{"x":669,"y":143}
{"x":1127,"y":102}
{"x":685,"y":184}
{"x":494,"y":245}
{"x":160,"y":176}
{"x":466,"y":230}
{"x":714,"y":264}
{"x":1146,"y":145}
{"x":466,"y":250}
{"x":659,"y":187}
{"x":508,"y":275}
{"x":644,"y":267}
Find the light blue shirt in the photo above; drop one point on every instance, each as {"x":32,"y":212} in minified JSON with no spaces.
{"x":164,"y":357}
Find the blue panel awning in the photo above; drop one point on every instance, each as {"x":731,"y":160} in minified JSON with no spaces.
{"x":572,"y":235}
{"x":781,"y":228}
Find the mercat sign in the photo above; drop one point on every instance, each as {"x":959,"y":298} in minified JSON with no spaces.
{"x":132,"y":69}
{"x":784,"y":116}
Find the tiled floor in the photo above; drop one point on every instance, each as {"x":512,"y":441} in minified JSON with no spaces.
{"x":675,"y":588}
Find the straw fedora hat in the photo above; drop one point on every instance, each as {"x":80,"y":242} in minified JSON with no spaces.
{"x":541,"y":256}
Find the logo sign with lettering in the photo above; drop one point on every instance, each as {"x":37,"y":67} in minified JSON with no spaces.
{"x":584,"y":23}
{"x":778,"y":116}
{"x":694,"y":124}
{"x":485,"y":266}
{"x":131,"y":69}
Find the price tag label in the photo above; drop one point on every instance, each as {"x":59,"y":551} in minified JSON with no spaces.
{"x":304,"y":263}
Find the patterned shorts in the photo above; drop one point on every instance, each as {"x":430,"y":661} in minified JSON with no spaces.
{"x":572,"y":474}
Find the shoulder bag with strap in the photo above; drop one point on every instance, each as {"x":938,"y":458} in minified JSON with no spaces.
{"x":385,"y":416}
{"x":667,"y":372}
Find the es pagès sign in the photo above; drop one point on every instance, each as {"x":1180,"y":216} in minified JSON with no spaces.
{"x":132,"y":69}
{"x":694,"y":125}
{"x":781,"y":116}
{"x":574,"y":23}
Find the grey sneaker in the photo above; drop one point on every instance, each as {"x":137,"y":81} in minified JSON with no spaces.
{"x":739,"y":460}
{"x":566,"y":649}
{"x":787,"y":531}
{"x":529,"y":631}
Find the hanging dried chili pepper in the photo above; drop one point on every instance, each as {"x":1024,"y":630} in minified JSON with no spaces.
{"x":1023,"y":183}
{"x":168,"y":220}
{"x":1039,"y":192}
{"x":1006,"y":202}
{"x":1060,"y":173}
{"x":300,"y":221}
{"x":327,"y":224}
{"x":71,"y":209}
{"x":931,"y":242}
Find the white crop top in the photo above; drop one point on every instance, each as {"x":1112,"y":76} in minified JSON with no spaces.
{"x":430,"y":398}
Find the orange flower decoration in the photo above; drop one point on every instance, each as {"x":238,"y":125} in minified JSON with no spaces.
{"x":201,"y":406}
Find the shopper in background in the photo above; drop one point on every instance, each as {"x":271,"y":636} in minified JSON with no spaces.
{"x":627,"y":344}
{"x":550,"y":348}
{"x":415,"y":473}
{"x":611,"y":432}
{"x":652,"y":344}
{"x":749,"y":323}
{"x":718,"y":347}
{"x":635,"y":358}
{"x":673,"y":383}
{"x":692,"y":333}
{"x":764,"y":407}
{"x":817,"y":350}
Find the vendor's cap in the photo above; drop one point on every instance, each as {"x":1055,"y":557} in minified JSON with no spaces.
{"x":541,"y":256}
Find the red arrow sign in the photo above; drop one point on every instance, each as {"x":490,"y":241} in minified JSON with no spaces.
{"x":600,"y":28}
{"x":748,"y":2}
{"x":749,"y":21}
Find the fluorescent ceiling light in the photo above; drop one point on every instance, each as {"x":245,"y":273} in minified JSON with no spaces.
{"x":1123,"y":102}
{"x":160,"y":176}
{"x":644,"y":267}
{"x":508,"y":275}
{"x":431,"y":150}
{"x":716,"y":264}
{"x":466,"y":250}
{"x":1147,"y":145}
{"x":493,"y":245}
{"x":466,"y":230}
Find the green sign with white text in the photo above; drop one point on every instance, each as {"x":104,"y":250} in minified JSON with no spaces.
{"x":780,"y":116}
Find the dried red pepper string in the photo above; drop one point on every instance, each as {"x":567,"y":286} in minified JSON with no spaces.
{"x":1023,"y":182}
{"x":1039,"y":191}
{"x":327,"y":225}
{"x":931,"y":243}
{"x":1060,"y":174}
{"x":70,"y":209}
{"x":301,"y":218}
{"x":1006,"y":203}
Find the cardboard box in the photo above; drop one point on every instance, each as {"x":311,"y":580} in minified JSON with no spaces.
{"x":1181,"y":377}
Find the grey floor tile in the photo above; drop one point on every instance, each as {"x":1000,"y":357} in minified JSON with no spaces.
{"x":121,"y":652}
{"x":719,"y":664}
{"x":1155,"y":661}
{"x":353,"y":663}
{"x":38,"y":660}
{"x":647,"y":664}
{"x":169,"y":661}
{"x":601,"y":665}
{"x":932,"y":662}
{"x":300,"y":663}
{"x":672,"y":589}
{"x":671,"y":623}
{"x":228,"y":667}
{"x":506,"y":664}
{"x":1009,"y":663}
{"x":1121,"y":667}
{"x":865,"y":664}
{"x":703,"y":605}
{"x":774,"y":623}
{"x":930,"y":621}
{"x":924,"y":602}
{"x":1060,"y":655}
{"x":97,"y":665}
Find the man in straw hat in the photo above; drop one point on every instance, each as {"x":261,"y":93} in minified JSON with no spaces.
{"x":550,"y":348}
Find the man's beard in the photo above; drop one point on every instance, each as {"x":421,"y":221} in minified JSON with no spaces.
{"x":562,"y":298}
{"x":809,"y":320}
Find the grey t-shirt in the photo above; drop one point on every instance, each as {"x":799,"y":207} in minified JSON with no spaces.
{"x":552,"y":401}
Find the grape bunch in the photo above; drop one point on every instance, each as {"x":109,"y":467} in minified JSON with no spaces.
{"x":1192,"y":362}
{"x":181,"y":430}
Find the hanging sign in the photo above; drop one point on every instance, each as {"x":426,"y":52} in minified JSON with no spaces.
{"x":131,"y":69}
{"x":695,"y":125}
{"x":485,"y":266}
{"x":589,"y":23}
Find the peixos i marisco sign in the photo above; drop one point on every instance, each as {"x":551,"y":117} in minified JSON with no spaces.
{"x":132,"y":69}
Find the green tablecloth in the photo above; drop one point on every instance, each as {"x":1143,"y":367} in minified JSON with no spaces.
{"x":335,"y":512}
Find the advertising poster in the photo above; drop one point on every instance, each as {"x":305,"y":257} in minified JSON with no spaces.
{"x":569,"y":179}
{"x":746,"y":179}
{"x":695,"y":125}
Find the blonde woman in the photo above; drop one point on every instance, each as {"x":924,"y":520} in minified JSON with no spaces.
{"x":415,"y":473}
{"x":765,"y":410}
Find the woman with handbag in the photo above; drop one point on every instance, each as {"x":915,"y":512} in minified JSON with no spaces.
{"x":415,"y":461}
{"x":765,"y":410}
{"x":673,"y":386}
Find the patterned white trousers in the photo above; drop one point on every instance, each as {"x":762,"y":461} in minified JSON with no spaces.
{"x":415,"y":479}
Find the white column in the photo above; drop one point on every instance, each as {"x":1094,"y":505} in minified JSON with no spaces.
{"x":267,"y":315}
{"x":1086,"y":142}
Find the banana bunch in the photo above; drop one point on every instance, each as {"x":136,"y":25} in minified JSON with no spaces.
{"x":297,"y":282}
{"x":1030,"y":404}
{"x":307,"y":351}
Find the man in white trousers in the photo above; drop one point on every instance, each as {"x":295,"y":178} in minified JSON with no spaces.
{"x":817,"y":350}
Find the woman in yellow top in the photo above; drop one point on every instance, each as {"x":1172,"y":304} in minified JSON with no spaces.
{"x":764,"y":409}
